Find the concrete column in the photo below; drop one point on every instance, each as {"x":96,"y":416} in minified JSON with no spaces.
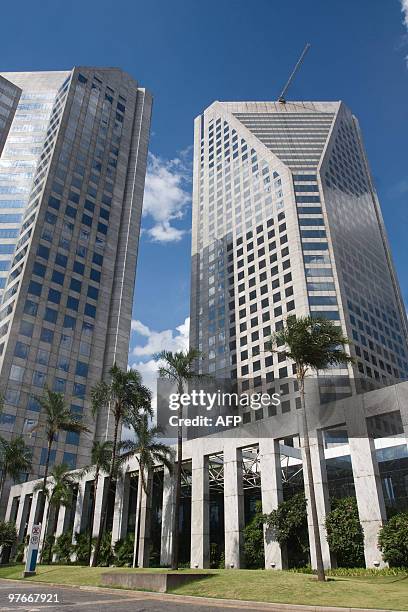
{"x":321,"y":494}
{"x":200,"y":511}
{"x":145,"y":517}
{"x":367,"y":483}
{"x":22,"y":514}
{"x":63,"y":513}
{"x":120,"y":508}
{"x":233,"y":505}
{"x":8,"y":509}
{"x":272,"y":496}
{"x":100,"y":493}
{"x":167,"y":517}
{"x":33,"y":511}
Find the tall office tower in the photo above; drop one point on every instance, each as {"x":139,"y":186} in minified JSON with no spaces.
{"x":286,"y":221}
{"x":72,"y":174}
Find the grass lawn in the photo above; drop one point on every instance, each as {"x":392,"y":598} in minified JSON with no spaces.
{"x":388,"y":592}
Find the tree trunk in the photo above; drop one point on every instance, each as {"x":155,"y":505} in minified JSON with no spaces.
{"x":2,"y":481}
{"x":44,"y":487}
{"x":309,"y":471}
{"x":138,"y":517}
{"x":105,"y":498}
{"x":176,"y":515}
{"x":46,"y":519}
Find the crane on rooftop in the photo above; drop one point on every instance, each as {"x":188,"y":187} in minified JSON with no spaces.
{"x":282,"y":98}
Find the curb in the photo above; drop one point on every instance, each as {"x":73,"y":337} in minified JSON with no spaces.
{"x":217,"y":603}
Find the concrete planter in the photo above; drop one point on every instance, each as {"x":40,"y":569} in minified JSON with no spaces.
{"x":154,"y":581}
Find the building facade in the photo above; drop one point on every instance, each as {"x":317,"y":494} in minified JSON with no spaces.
{"x":286,"y":220}
{"x":358,"y":446}
{"x":72,"y":171}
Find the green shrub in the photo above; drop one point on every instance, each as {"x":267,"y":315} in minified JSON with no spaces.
{"x":355,"y":571}
{"x":8,"y":537}
{"x":8,"y":534}
{"x":106,"y":556}
{"x":124,"y":550}
{"x":46,"y":550}
{"x":393,"y":540}
{"x":63,"y":548}
{"x":19,"y":556}
{"x":289,"y":525}
{"x":81,"y":548}
{"x":345,"y":534}
{"x":254,"y":540}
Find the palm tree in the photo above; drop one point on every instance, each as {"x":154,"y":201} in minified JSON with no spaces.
{"x":124,"y":393}
{"x":58,"y":417}
{"x":58,"y":493}
{"x":313,"y":344}
{"x":15,"y":458}
{"x":101,"y":455}
{"x":148,"y":451}
{"x":178,"y":368}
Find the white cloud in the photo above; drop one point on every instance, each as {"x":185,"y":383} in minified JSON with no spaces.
{"x":167,"y":195}
{"x":404,"y":9}
{"x":157,"y":341}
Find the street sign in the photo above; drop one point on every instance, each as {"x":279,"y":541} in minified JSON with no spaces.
{"x":32,"y":552}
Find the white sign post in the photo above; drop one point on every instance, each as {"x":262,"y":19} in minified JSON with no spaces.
{"x":32,"y":552}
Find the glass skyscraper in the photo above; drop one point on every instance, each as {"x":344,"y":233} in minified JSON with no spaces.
{"x":73,"y":153}
{"x":286,"y":221}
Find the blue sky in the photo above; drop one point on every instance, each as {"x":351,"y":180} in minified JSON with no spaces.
{"x":189,"y":53}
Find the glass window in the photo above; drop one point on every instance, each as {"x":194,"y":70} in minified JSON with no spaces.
{"x":30,"y":308}
{"x":81,"y":369}
{"x":90,"y":310}
{"x":39,"y":269}
{"x":21,"y":350}
{"x":93,"y":292}
{"x":54,"y":296}
{"x":43,"y":357}
{"x":75,"y":285}
{"x":79,"y":390}
{"x":7,"y":421}
{"x":61,"y":260}
{"x":59,"y":385}
{"x":72,"y":438}
{"x":16,"y":373}
{"x":50,"y":315}
{"x":43,"y":457}
{"x":69,"y":459}
{"x":38,"y":378}
{"x":47,"y":335}
{"x":33,"y":404}
{"x":58,"y":277}
{"x":69,"y":322}
{"x":26,"y":328}
{"x":72,"y":303}
{"x":35,"y":288}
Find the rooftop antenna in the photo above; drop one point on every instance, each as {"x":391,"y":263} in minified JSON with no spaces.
{"x":282,"y":98}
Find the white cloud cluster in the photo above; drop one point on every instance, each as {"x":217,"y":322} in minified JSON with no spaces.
{"x":168,"y":339}
{"x":404,"y":9}
{"x":157,"y":341}
{"x":167,"y":195}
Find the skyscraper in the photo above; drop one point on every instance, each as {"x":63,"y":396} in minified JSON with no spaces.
{"x":286,"y":220}
{"x":72,"y":171}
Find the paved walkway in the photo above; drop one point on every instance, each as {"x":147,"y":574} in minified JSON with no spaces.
{"x":93,"y":599}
